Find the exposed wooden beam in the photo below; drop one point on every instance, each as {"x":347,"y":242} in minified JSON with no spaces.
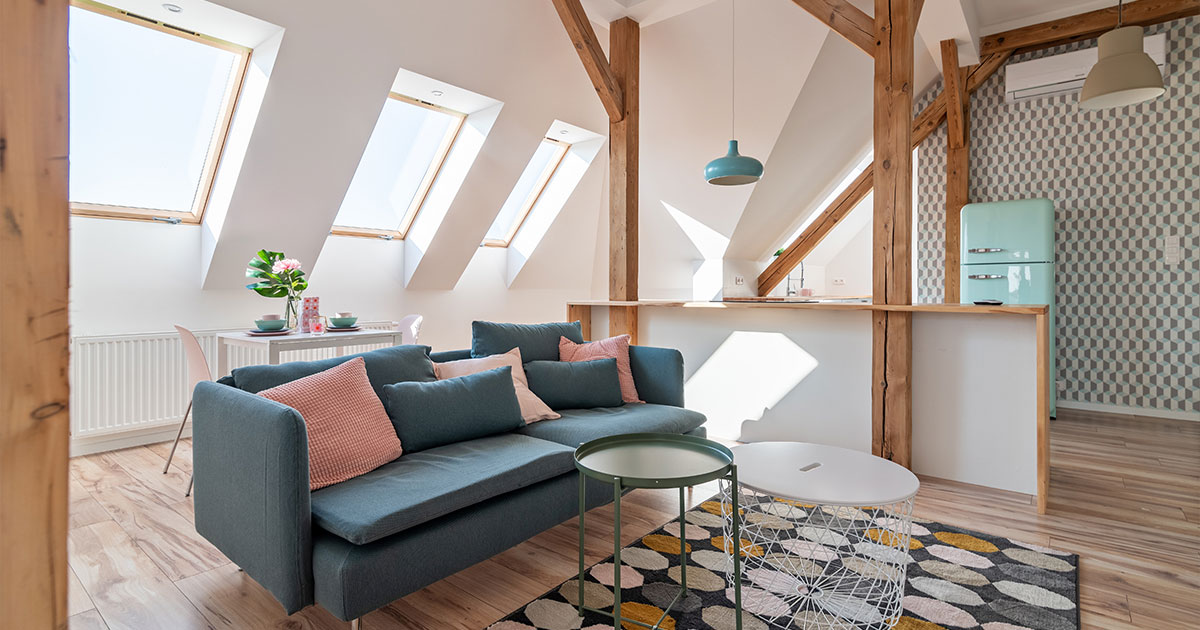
{"x":583,"y":36}
{"x":891,"y":342}
{"x":924,"y":124}
{"x":845,"y":19}
{"x":33,"y":314}
{"x":954,"y":87}
{"x":812,"y":236}
{"x":1086,"y":25}
{"x":957,"y":160}
{"x":624,"y":46}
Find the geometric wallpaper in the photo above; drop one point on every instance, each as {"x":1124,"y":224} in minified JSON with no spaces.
{"x":1128,"y":329}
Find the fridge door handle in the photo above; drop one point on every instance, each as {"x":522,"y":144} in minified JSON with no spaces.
{"x":985,"y":250}
{"x":986,"y":276}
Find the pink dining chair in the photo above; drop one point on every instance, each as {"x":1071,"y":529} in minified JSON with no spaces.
{"x":197,"y":371}
{"x":410,"y":327}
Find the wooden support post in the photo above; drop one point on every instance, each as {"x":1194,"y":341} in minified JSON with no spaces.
{"x":34,"y":429}
{"x":583,"y":314}
{"x":623,"y":48}
{"x":623,"y":320}
{"x":958,"y":140}
{"x":891,"y":365}
{"x":1042,"y":322}
{"x":845,"y":19}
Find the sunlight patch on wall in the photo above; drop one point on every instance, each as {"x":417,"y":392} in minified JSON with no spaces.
{"x":708,"y":278}
{"x":748,"y":373}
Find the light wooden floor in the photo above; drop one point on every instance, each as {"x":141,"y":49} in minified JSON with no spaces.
{"x":1125,"y":495}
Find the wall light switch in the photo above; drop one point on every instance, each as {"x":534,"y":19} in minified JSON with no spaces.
{"x":1171,"y":253}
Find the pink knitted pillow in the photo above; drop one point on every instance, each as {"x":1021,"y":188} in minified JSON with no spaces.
{"x":349,"y":432}
{"x":532,"y":407}
{"x":611,"y":348}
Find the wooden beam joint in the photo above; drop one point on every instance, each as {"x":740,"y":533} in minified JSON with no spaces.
{"x":583,"y":37}
{"x":845,"y":19}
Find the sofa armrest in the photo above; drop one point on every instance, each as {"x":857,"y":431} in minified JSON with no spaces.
{"x":250,"y":457}
{"x":449,"y":355}
{"x":658,"y":374}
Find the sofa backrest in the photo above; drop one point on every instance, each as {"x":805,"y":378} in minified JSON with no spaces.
{"x":657,"y":372}
{"x":384,"y":367}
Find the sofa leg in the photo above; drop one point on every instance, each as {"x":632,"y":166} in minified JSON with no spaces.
{"x":356,"y":624}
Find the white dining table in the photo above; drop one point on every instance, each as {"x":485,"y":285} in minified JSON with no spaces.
{"x":275,"y":345}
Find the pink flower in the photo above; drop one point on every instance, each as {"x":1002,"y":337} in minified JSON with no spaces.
{"x":287,"y":264}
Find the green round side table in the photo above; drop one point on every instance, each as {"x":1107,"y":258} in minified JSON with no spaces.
{"x":654,"y":460}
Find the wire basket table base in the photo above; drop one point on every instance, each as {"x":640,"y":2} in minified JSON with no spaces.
{"x":820,"y":567}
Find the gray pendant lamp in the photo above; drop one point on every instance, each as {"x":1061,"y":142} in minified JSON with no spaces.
{"x":732,"y":169}
{"x":1124,"y":73}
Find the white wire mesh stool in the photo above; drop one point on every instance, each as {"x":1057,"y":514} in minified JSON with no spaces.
{"x":825,"y":535}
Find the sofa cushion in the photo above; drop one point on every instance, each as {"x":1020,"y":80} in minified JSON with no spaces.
{"x":348,"y":431}
{"x":538,"y":342}
{"x":421,"y":487}
{"x":427,"y":415}
{"x":577,"y":426}
{"x":532,"y":407}
{"x":575,"y":385}
{"x":614,"y":348}
{"x":384,"y":366}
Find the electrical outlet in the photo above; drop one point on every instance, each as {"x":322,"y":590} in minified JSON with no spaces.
{"x":1171,"y":250}
{"x":839,"y":282}
{"x":739,"y":280}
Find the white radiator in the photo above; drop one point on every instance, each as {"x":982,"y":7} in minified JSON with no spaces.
{"x":132,"y":384}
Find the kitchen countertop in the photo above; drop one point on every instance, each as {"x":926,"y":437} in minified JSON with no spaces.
{"x":1003,"y":309}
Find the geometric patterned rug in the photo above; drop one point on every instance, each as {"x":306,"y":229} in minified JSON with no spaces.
{"x":956,"y":578}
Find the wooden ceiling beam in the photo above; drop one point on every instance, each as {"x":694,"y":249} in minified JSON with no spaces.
{"x":583,"y":37}
{"x":845,"y":19}
{"x":1086,"y":25}
{"x":923,"y":125}
{"x":954,"y":87}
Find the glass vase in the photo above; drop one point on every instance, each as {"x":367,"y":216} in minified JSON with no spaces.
{"x":292,"y":314}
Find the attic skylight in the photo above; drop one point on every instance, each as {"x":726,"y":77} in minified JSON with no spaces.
{"x":400,"y":164}
{"x":151,"y":105}
{"x":525,"y":194}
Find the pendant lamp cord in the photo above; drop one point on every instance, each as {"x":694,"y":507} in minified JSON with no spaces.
{"x":733,"y":70}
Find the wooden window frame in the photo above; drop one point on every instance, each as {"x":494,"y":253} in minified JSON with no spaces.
{"x":534,"y":194}
{"x":431,"y":175}
{"x":216,"y":148}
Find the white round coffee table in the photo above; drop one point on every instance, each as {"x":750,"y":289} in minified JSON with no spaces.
{"x":825,"y":534}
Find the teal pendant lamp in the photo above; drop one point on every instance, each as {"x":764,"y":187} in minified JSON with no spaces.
{"x":733,"y":169}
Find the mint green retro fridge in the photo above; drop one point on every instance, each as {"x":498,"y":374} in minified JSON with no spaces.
{"x":1008,"y":255}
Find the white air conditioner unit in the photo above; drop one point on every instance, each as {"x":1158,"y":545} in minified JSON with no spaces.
{"x":1064,"y":73}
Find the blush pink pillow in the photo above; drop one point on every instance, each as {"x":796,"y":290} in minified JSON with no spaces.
{"x":532,"y":407}
{"x":611,"y":348}
{"x":349,"y":432}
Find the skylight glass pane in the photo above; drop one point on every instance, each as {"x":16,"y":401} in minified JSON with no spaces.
{"x":407,"y":142}
{"x":145,"y":108}
{"x":547,"y":153}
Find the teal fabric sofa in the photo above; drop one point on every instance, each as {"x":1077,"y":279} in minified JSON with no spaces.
{"x":363,"y":543}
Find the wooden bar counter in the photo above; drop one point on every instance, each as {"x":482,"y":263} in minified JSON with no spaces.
{"x":797,"y":370}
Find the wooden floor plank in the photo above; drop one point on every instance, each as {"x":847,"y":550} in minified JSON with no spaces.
{"x":230,"y":600}
{"x":90,"y":620}
{"x":126,"y":586}
{"x":1124,"y":494}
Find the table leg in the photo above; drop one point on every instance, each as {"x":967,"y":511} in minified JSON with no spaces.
{"x":737,"y":548}
{"x":582,"y":509}
{"x":222,"y":357}
{"x":272,"y":354}
{"x":617,"y":553}
{"x":682,"y":543}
